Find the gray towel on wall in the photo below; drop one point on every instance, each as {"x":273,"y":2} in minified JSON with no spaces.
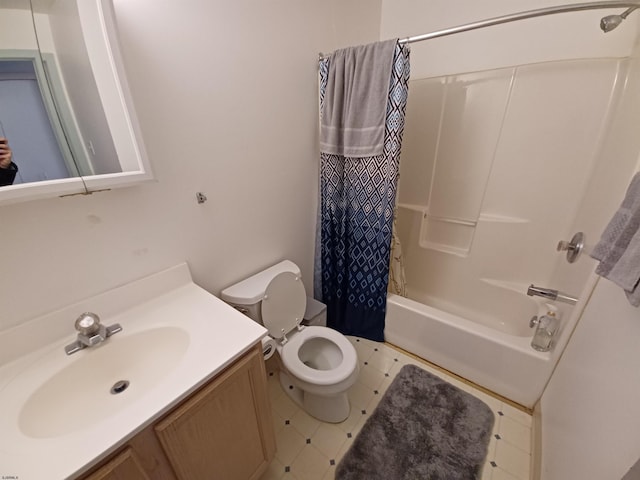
{"x":355,"y":102}
{"x":619,"y":246}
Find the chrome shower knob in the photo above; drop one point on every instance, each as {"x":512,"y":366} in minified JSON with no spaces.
{"x":573,"y":247}
{"x":88,"y":323}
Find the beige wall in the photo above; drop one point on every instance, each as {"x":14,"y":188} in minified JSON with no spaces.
{"x":226,"y":94}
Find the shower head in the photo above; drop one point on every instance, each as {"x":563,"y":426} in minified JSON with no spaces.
{"x":610,"y":22}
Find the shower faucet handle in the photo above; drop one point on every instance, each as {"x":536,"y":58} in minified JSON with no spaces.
{"x":573,"y":247}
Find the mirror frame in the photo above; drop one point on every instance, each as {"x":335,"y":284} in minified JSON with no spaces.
{"x":97,"y":18}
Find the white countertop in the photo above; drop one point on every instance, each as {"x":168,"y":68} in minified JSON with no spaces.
{"x":218,"y":335}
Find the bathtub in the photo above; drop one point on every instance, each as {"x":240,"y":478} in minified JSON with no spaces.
{"x":499,"y":361}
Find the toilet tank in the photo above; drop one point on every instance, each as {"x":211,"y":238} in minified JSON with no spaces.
{"x":246,"y":295}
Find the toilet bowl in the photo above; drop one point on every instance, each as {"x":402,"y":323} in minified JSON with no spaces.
{"x":319,"y":363}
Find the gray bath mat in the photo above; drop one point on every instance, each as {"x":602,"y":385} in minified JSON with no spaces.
{"x":423,"y":428}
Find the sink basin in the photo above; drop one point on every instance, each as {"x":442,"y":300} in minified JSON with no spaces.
{"x":175,"y":337}
{"x":94,"y":384}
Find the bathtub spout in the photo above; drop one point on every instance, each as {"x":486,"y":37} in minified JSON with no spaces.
{"x":551,"y":294}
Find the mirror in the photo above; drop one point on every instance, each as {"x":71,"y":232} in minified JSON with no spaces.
{"x":65,"y":106}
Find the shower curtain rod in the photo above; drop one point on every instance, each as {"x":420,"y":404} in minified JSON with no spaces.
{"x":541,"y":12}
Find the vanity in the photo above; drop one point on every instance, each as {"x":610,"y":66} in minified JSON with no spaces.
{"x":179,"y":393}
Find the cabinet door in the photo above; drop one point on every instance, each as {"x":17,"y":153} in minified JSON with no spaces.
{"x":124,"y":466}
{"x":224,"y":431}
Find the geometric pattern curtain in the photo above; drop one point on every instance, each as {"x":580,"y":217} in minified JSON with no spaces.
{"x":357,"y":200}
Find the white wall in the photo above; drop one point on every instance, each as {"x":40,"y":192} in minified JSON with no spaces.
{"x":226,"y":94}
{"x":589,"y":419}
{"x":16,"y":30}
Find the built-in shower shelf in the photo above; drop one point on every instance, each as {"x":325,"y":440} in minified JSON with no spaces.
{"x":518,"y":287}
{"x":413,"y":207}
{"x":439,"y":247}
{"x":496,"y":218}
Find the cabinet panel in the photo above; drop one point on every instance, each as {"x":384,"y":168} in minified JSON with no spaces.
{"x":124,"y":466}
{"x":223,"y":431}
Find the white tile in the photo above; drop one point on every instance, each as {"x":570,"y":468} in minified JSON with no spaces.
{"x":278,"y":421}
{"x":344,"y":449}
{"x":491,"y":449}
{"x":381,"y":361}
{"x":284,"y":406}
{"x":500,"y":474}
{"x":358,"y":426}
{"x":370,"y":377}
{"x":310,"y":464}
{"x":496,"y":424}
{"x":289,"y":443}
{"x":492,"y":402}
{"x":328,"y":439}
{"x":304,"y":423}
{"x":363,"y":348}
{"x":487,"y":471}
{"x":291,"y":476}
{"x":375,"y":400}
{"x":275,"y":471}
{"x":330,"y":474}
{"x":516,"y":414}
{"x":352,"y":420}
{"x":515,"y":433}
{"x":274,"y":388}
{"x":512,"y":460}
{"x":359,"y":395}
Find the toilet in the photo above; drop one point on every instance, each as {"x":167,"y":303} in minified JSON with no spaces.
{"x":319,"y":364}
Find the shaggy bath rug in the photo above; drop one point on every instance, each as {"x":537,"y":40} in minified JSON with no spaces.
{"x":423,"y":428}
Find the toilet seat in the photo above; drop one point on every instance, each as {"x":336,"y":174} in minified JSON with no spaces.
{"x":282,"y":309}
{"x":291,"y":360}
{"x":283,"y":304}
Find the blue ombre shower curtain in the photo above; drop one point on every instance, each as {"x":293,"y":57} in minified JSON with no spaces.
{"x":357,"y":199}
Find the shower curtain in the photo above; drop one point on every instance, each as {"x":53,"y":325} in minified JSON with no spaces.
{"x":357,"y":199}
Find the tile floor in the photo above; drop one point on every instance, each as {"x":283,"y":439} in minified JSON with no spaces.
{"x":308,"y":449}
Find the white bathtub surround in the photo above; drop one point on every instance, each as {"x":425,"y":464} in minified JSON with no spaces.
{"x":200,"y":336}
{"x":480,"y":214}
{"x":310,"y":450}
{"x":478,"y":217}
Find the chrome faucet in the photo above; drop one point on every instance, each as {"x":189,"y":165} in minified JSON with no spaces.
{"x":551,"y":294}
{"x":90,"y":332}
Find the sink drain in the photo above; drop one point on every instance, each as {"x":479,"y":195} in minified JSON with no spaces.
{"x":119,"y":387}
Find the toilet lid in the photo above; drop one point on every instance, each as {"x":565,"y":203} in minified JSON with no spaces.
{"x":283,"y":304}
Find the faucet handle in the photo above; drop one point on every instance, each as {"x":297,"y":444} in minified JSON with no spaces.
{"x":573,"y":247}
{"x":88,"y":323}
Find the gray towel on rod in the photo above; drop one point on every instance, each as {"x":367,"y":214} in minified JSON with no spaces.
{"x":619,"y":246}
{"x":355,"y":102}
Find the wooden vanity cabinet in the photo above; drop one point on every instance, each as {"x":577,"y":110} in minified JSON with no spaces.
{"x":223,"y":431}
{"x":123,"y":466}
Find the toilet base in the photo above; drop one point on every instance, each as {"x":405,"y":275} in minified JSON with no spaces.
{"x":330,"y":409}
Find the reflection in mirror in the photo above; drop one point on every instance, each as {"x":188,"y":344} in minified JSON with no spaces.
{"x":27,"y":113}
{"x":73,"y":86}
{"x":64,"y":103}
